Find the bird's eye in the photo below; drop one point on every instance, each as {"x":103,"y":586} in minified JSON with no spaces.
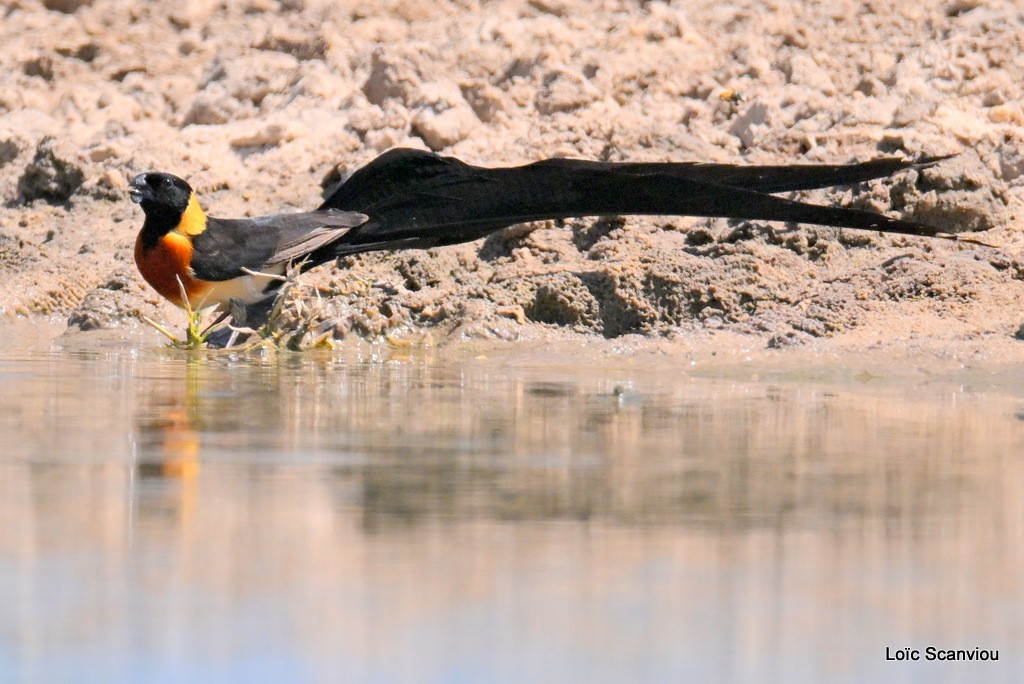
{"x":168,"y":182}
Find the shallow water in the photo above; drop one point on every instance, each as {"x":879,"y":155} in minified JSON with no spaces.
{"x":307,"y":518}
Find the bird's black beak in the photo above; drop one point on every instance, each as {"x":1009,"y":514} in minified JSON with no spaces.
{"x":139,"y":190}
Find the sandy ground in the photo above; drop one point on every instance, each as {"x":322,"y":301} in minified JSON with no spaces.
{"x":263,"y":104}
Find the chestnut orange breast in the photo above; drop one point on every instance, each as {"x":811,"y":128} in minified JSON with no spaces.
{"x":165,"y":262}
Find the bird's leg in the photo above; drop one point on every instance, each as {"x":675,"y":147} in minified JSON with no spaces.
{"x":232,"y":338}
{"x":217,"y":321}
{"x":227,"y":336}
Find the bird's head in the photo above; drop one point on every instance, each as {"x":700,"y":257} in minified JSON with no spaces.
{"x":160,"y":192}
{"x":168,"y":202}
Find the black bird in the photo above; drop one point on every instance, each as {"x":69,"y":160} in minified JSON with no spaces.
{"x":409,"y":199}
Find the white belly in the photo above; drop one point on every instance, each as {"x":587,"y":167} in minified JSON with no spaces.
{"x":247,"y":289}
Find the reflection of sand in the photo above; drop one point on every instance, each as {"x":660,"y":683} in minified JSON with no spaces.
{"x":257,"y":105}
{"x":399,"y":519}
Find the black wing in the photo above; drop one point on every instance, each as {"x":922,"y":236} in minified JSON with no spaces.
{"x":419,"y":199}
{"x":228,"y":246}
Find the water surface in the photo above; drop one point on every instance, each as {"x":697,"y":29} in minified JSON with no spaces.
{"x":168,"y":517}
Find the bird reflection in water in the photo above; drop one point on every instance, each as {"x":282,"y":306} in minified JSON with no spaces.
{"x":167,"y":466}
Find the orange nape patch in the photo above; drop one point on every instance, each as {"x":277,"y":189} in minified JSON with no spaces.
{"x":193,"y":219}
{"x":163,"y":264}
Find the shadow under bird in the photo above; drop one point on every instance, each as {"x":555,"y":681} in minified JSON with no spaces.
{"x":410,"y":199}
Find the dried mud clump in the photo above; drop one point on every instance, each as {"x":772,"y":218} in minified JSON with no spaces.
{"x":109,"y":303}
{"x":437,"y":110}
{"x":53,"y":174}
{"x":66,"y":6}
{"x":564,"y":299}
{"x":960,"y":195}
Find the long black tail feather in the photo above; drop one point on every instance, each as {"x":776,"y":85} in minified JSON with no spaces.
{"x":418,"y":199}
